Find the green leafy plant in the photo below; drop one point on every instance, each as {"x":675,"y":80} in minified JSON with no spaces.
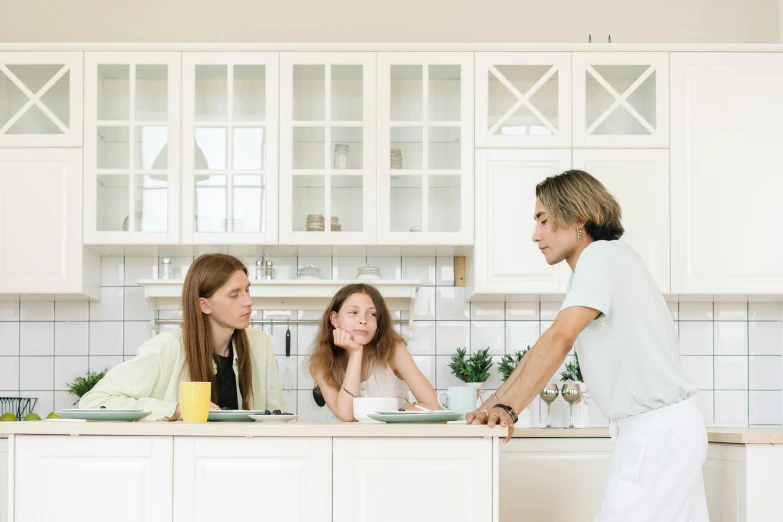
{"x":509,"y":363}
{"x":472,"y":368}
{"x":572,"y":371}
{"x":81,"y":385}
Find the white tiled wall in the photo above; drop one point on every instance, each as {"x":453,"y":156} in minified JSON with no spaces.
{"x":732,"y":351}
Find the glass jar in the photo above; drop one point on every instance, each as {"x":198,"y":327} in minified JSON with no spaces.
{"x":309,"y":272}
{"x":165,"y":268}
{"x":341,"y":155}
{"x":368,"y":271}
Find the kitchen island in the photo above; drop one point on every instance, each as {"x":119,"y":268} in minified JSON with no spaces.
{"x":172,"y":471}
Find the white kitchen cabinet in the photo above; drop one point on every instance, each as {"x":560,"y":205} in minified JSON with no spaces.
{"x":327,"y":148}
{"x":727,"y":173}
{"x":41,"y":249}
{"x":621,"y":100}
{"x":229,"y":148}
{"x":425,"y":148}
{"x":3,"y":480}
{"x":639,"y":180}
{"x":523,"y":100}
{"x":505,"y":259}
{"x":41,"y":99}
{"x":92,"y":478}
{"x":379,"y":480}
{"x":556,"y":480}
{"x":281,"y":478}
{"x":131,"y":147}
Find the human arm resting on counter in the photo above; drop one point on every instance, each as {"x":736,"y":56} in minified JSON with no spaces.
{"x":540,"y":363}
{"x":405,"y":368}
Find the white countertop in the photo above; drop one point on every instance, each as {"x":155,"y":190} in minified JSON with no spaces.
{"x":715,"y":435}
{"x":250,"y":429}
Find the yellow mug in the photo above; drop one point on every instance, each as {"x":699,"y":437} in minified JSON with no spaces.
{"x":194,"y":399}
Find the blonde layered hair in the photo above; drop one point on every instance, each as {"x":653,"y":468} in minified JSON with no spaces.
{"x":575,"y":196}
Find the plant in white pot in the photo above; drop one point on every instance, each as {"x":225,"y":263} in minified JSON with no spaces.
{"x":472,"y":369}
{"x":573,"y":375}
{"x":508,"y":364}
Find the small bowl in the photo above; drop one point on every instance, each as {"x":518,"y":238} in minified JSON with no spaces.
{"x":364,"y":405}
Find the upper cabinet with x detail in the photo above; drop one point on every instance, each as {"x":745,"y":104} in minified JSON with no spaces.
{"x":621,"y":100}
{"x":523,"y":100}
{"x":41,"y":99}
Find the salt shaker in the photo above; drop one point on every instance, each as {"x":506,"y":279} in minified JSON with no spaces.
{"x":259,"y":269}
{"x":165,"y":268}
{"x":268,"y":270}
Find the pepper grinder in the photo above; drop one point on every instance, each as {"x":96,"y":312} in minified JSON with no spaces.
{"x":259,"y":269}
{"x":268,"y":270}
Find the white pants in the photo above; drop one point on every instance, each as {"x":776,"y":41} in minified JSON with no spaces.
{"x":656,"y":469}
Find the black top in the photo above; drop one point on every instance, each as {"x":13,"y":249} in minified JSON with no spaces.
{"x":226,"y":381}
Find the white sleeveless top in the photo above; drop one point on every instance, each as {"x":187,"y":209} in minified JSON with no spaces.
{"x":382,"y":383}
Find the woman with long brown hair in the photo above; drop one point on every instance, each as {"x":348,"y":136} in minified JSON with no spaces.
{"x":213,"y":345}
{"x":357,"y":353}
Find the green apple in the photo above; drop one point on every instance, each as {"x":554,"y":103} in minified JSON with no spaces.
{"x":32,"y":417}
{"x":8,"y":417}
{"x":53,"y":415}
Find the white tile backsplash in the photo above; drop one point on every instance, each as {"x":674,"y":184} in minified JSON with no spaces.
{"x":732,"y":350}
{"x":36,"y":338}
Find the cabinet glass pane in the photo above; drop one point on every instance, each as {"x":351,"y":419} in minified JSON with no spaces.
{"x":249,"y":148}
{"x":152,"y":97}
{"x":444,"y":98}
{"x":152,"y":147}
{"x":151,"y":198}
{"x":112,"y":207}
{"x":210,"y":204}
{"x":113,"y":92}
{"x":618,"y":121}
{"x":249,"y":92}
{"x":309,"y":148}
{"x":347,"y":148}
{"x":210,"y":150}
{"x":407,"y":93}
{"x":113,"y":148}
{"x":406,"y":209}
{"x":522,"y":121}
{"x":309,"y":92}
{"x":33,"y":120}
{"x":347,"y":204}
{"x":249,"y":201}
{"x":444,"y":147}
{"x":309,"y":200}
{"x":444,"y":203}
{"x":347,"y":92}
{"x":406,"y":141}
{"x":211,"y":93}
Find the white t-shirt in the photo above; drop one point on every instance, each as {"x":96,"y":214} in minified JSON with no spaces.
{"x":629,"y":355}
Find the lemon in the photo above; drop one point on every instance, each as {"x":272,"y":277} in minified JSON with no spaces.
{"x":8,"y":417}
{"x":32,"y":417}
{"x":53,"y":415}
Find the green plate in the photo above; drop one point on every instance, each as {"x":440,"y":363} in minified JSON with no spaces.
{"x":103,"y":415}
{"x":232,"y":415}
{"x":413,"y":418}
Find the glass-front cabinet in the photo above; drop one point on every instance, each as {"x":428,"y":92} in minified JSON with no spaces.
{"x":132,"y":121}
{"x":327,"y":148}
{"x":425,"y":148}
{"x":621,"y":100}
{"x":229,"y":148}
{"x":523,"y":100}
{"x":41,"y":99}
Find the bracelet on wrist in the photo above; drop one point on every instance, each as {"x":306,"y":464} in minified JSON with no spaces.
{"x":508,"y":410}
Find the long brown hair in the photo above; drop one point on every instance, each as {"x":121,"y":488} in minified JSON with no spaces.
{"x":329,"y":360}
{"x":205,"y":276}
{"x":575,"y":195}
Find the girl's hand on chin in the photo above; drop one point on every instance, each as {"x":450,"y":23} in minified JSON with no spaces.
{"x":344,"y":340}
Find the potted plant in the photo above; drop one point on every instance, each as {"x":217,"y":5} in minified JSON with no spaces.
{"x":81,"y":385}
{"x":508,"y":364}
{"x":573,"y":374}
{"x":472,"y":369}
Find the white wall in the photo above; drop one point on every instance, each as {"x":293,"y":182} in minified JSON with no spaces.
{"x":628,"y":21}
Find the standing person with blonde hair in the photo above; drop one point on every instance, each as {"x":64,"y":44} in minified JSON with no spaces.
{"x":617,"y":320}
{"x":213,"y":345}
{"x":357,"y":353}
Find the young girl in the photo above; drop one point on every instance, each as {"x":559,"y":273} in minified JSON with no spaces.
{"x":357,"y":353}
{"x":214,"y":345}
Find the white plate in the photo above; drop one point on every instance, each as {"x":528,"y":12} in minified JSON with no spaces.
{"x":274,"y":418}
{"x":231,"y":415}
{"x":412,"y":412}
